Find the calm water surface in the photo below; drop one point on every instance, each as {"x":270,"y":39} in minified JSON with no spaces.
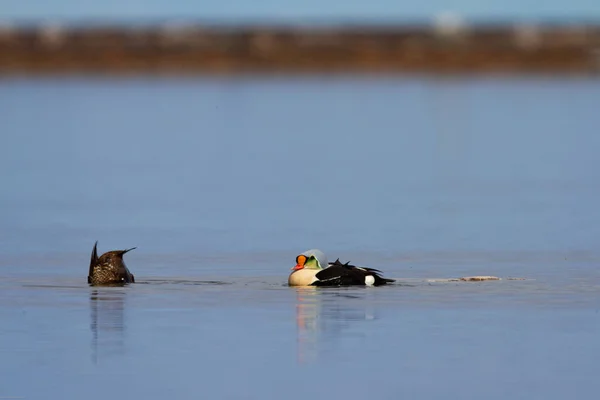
{"x":220,"y":183}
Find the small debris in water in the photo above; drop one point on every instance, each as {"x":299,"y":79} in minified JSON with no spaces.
{"x":479,"y":278}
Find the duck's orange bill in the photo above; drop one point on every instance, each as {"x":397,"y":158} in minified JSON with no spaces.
{"x":300,"y":260}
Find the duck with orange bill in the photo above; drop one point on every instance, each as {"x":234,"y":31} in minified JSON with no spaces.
{"x":312,"y":269}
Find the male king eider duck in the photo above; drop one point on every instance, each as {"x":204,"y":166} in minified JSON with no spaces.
{"x":312,"y":269}
{"x":109,"y":268}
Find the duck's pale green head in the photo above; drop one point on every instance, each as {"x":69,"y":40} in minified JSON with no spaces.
{"x":311,"y":259}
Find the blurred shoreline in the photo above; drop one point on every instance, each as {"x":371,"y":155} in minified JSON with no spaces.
{"x":444,"y":47}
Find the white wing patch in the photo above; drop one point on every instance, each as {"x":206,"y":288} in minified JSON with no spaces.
{"x":369,"y":280}
{"x":326,"y":280}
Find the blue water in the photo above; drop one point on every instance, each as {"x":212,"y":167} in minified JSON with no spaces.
{"x":221,"y":182}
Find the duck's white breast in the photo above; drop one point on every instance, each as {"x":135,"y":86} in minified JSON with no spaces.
{"x":302,"y":277}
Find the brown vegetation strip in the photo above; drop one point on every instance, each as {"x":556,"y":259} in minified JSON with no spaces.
{"x":198,"y":49}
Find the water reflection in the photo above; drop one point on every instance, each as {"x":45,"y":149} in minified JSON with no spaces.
{"x":324,"y":316}
{"x":107,"y":322}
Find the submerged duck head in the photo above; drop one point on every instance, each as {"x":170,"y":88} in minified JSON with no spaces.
{"x":311,"y":259}
{"x":109,"y":268}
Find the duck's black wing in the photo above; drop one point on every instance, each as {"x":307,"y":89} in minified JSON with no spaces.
{"x":338,"y":274}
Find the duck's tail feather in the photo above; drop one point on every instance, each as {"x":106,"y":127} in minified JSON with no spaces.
{"x":93,"y":261}
{"x":121,"y":252}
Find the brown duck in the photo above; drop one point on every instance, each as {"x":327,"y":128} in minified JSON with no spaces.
{"x":109,"y":268}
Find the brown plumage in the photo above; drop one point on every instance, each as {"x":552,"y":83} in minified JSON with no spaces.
{"x":109,"y":268}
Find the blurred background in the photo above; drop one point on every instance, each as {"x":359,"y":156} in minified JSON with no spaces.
{"x":386,"y":129}
{"x":253,"y":168}
{"x":428,"y":139}
{"x":159,"y":36}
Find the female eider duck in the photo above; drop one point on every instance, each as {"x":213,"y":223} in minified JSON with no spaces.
{"x":109,"y":268}
{"x":312,"y":269}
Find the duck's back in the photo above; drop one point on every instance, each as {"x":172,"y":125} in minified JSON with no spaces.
{"x":338,"y":274}
{"x":110,"y":269}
